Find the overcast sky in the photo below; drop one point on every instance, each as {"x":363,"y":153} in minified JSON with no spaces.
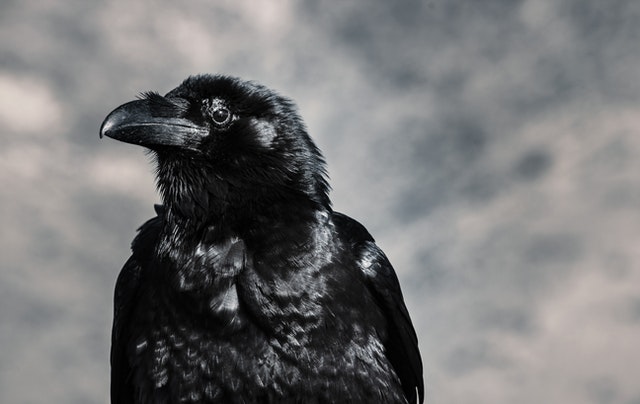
{"x":492,"y":149}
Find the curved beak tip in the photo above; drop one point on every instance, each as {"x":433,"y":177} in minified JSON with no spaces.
{"x":111,"y":122}
{"x":104,"y":128}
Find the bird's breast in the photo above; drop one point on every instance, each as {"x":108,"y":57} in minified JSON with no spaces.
{"x":235,"y":321}
{"x":201,"y":281}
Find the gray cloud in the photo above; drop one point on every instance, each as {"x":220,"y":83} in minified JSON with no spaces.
{"x":490,"y":147}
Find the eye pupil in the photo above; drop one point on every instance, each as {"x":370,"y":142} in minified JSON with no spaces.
{"x":221,"y":115}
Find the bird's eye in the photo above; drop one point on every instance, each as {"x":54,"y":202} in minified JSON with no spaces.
{"x":217,"y":111}
{"x":221,"y":115}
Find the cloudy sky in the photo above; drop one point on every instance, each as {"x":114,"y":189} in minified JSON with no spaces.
{"x":490,"y":147}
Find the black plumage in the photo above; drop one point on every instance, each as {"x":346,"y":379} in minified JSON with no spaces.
{"x":247,"y":287}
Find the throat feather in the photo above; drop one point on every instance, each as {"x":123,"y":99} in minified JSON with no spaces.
{"x":190,"y":189}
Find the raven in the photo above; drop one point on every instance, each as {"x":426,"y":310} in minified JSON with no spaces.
{"x":247,"y":287}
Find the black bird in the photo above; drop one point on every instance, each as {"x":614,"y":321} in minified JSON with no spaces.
{"x":247,"y":287}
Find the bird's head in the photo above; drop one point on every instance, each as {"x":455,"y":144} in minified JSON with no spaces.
{"x":222,"y":145}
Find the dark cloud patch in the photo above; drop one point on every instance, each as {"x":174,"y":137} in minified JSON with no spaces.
{"x":558,"y":248}
{"x":602,"y":390}
{"x":47,"y":244}
{"x":450,"y":84}
{"x":533,"y":165}
{"x":472,"y":357}
{"x":517,"y":265}
{"x":417,"y":203}
{"x":482,"y":185}
{"x":600,"y":23}
{"x":634,"y":309}
{"x":550,"y":83}
{"x":112,"y":213}
{"x":26,"y":309}
{"x":604,"y":33}
{"x":389,"y":39}
{"x":431,"y":276}
{"x":84,"y":130}
{"x":513,"y":320}
{"x":440,"y":160}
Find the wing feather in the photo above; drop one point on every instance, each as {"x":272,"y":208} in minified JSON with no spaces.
{"x":125,"y":299}
{"x":402,"y":342}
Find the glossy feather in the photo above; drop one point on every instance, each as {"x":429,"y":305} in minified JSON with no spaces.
{"x":247,"y":287}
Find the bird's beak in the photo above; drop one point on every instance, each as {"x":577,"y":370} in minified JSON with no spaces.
{"x":152,"y":124}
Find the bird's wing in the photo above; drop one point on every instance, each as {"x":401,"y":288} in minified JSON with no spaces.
{"x":125,"y":299}
{"x":125,"y":296}
{"x":402,"y":342}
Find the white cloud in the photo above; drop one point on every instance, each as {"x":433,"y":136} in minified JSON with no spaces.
{"x":29,"y":105}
